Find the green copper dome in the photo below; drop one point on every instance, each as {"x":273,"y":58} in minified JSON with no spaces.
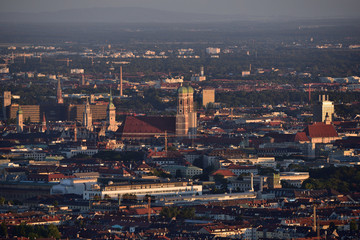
{"x":190,"y":89}
{"x":182,"y":90}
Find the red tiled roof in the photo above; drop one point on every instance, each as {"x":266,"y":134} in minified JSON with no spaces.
{"x":224,"y":172}
{"x":301,"y":137}
{"x":320,"y":130}
{"x":147,"y":126}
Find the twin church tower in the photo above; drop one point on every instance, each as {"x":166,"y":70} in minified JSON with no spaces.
{"x":186,"y":122}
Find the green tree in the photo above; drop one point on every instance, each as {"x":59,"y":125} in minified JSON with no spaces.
{"x":170,"y":212}
{"x":3,"y":230}
{"x":353,"y":226}
{"x":53,"y":231}
{"x":187,"y":213}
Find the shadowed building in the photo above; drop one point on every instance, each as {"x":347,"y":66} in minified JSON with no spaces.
{"x":76,"y":111}
{"x":6,"y":102}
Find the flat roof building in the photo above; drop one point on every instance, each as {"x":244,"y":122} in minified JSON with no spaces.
{"x":170,"y":189}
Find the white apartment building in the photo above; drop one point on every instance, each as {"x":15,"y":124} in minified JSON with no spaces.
{"x":169,"y":189}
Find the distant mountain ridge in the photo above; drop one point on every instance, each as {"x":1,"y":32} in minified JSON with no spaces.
{"x":117,"y":15}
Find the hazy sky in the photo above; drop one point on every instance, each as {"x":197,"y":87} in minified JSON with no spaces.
{"x":298,"y":8}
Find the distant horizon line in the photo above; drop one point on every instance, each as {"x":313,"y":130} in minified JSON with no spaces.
{"x":202,"y":17}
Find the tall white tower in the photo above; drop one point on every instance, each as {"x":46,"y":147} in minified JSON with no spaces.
{"x":19,"y":120}
{"x":87,"y":117}
{"x":324,"y":110}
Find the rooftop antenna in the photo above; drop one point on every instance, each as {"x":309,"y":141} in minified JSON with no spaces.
{"x":121,"y":82}
{"x":166,"y":142}
{"x":149,"y":209}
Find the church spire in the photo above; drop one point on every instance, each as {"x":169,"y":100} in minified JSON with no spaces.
{"x":87,"y":116}
{"x":111,"y":115}
{"x":59,"y":97}
{"x":43,"y":127}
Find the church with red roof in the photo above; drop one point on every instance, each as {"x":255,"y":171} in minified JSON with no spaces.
{"x":146,"y":127}
{"x":318,"y":132}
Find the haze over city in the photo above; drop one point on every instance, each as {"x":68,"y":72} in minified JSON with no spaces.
{"x":221,"y":10}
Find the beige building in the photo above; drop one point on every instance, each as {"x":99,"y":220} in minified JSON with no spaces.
{"x":208,"y":96}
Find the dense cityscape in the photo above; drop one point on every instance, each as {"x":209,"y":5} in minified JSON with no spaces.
{"x":224,"y":130}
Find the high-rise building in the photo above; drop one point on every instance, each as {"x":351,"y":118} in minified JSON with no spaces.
{"x":208,"y":96}
{"x":87,"y":117}
{"x":30,"y":112}
{"x":59,"y":97}
{"x":6,"y":102}
{"x":75,"y":112}
{"x":186,"y":122}
{"x":324,"y":110}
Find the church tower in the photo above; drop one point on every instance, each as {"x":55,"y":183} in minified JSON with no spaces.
{"x":19,"y":120}
{"x":192,"y":113}
{"x":87,"y":117}
{"x":43,"y":124}
{"x":186,"y":115}
{"x":59,"y":97}
{"x":324,"y":110}
{"x":111,"y":115}
{"x":182,"y":112}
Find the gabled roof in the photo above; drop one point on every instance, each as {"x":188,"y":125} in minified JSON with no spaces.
{"x":301,"y":137}
{"x":224,"y":172}
{"x":147,"y":126}
{"x":320,"y":130}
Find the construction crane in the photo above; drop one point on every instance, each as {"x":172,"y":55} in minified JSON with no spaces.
{"x":6,"y":60}
{"x":67,"y":60}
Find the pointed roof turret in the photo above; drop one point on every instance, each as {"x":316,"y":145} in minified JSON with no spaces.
{"x":19,"y":111}
{"x":111,"y":104}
